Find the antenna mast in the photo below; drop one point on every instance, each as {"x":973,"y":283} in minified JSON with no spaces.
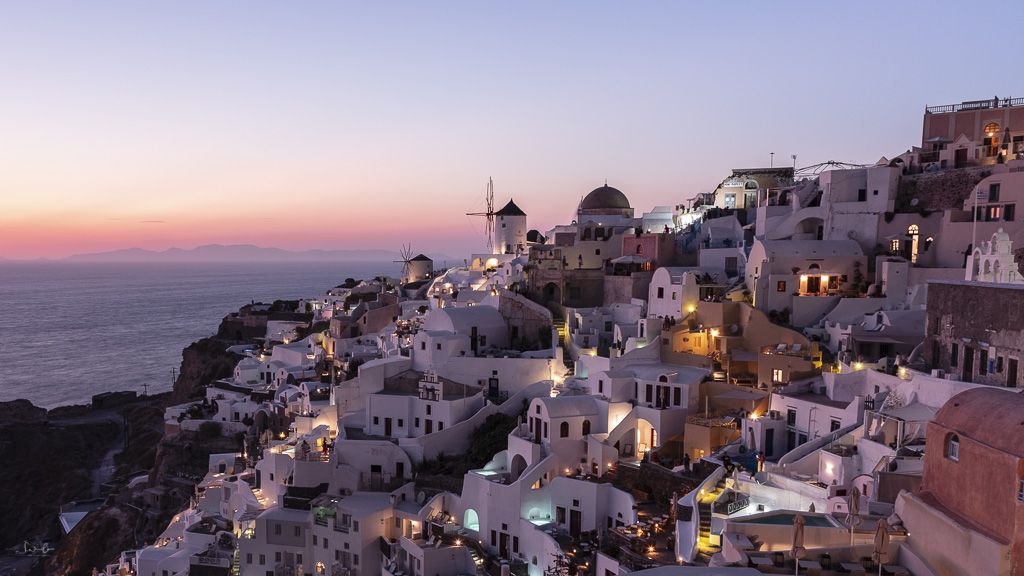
{"x":489,"y":214}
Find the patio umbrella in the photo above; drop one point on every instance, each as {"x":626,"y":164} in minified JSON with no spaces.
{"x":881,"y":552}
{"x":798,"y":541}
{"x":853,"y":515}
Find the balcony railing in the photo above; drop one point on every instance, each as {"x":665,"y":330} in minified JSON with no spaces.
{"x":976,"y":105}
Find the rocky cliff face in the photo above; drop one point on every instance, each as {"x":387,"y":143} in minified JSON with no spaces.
{"x":202,"y":362}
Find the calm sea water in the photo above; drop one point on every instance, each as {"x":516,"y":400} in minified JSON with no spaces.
{"x":68,"y":331}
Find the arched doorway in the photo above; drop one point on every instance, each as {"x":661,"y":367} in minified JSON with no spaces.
{"x":517,"y":467}
{"x":470,"y":520}
{"x":552,"y":293}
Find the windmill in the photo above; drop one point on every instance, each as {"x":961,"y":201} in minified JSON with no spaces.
{"x":489,"y":214}
{"x":406,"y":259}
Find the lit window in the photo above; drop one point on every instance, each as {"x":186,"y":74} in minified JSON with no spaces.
{"x":953,"y":448}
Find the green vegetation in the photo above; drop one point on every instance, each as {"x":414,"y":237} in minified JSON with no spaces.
{"x":446,"y":472}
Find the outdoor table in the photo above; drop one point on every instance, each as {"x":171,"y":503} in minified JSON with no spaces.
{"x":853,"y":567}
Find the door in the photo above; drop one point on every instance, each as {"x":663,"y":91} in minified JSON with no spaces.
{"x":375,"y":477}
{"x":503,"y":545}
{"x":1011,"y":373}
{"x":428,"y":426}
{"x":960,"y":157}
{"x":387,"y":427}
{"x":968,"y":364}
{"x":575,"y":523}
{"x":536,"y":430}
{"x":769,"y":443}
{"x":400,"y":470}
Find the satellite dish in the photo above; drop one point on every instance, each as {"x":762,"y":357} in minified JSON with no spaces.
{"x":915,"y":202}
{"x":421,"y":497}
{"x":734,"y":328}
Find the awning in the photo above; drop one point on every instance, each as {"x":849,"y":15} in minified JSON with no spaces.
{"x":913,"y":412}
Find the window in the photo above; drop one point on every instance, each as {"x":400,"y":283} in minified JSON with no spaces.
{"x":781,"y":286}
{"x":999,"y":364}
{"x":600,"y":386}
{"x":401,"y":423}
{"x":834,"y":425}
{"x":423,"y":345}
{"x":661,"y":292}
{"x":993,"y":192}
{"x":438,"y":345}
{"x":597,"y":252}
{"x":954,"y":353}
{"x":791,"y":417}
{"x":983,"y":361}
{"x":417,"y":422}
{"x":536,"y":409}
{"x":586,"y":427}
{"x":440,"y":425}
{"x":862,"y":195}
{"x":248,"y":558}
{"x":263,"y":559}
{"x":355,"y":526}
{"x":777,"y":375}
{"x":1008,"y":212}
{"x":298,"y":531}
{"x":428,"y":409}
{"x":277,"y":531}
{"x":355,"y":559}
{"x":677,"y":398}
{"x":277,"y":556}
{"x":376,"y":420}
{"x":894,"y":245}
{"x":563,"y":430}
{"x":1020,"y":490}
{"x":953,"y":447}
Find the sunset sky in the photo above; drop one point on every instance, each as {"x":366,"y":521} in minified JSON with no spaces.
{"x":366,"y":125}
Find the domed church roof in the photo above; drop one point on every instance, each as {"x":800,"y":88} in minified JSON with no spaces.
{"x":604,"y":198}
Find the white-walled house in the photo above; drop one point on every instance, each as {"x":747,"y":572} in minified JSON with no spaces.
{"x":413,"y":404}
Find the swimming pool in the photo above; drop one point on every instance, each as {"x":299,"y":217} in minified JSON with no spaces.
{"x":786,"y":519}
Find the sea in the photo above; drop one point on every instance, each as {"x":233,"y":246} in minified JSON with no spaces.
{"x":71,"y":330}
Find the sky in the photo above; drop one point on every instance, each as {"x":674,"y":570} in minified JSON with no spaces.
{"x":368,"y":125}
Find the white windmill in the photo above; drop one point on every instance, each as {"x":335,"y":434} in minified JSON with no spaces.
{"x":489,"y":215}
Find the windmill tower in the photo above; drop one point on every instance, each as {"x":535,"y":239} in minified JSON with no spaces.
{"x":489,"y":215}
{"x":406,"y":262}
{"x":414,"y":268}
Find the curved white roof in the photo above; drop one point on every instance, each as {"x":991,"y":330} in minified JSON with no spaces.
{"x":461,"y":320}
{"x":564,"y":406}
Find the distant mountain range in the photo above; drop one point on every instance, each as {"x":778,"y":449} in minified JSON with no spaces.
{"x":235,"y":253}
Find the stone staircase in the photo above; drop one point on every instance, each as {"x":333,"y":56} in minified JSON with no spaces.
{"x":705,"y":549}
{"x":563,"y":335}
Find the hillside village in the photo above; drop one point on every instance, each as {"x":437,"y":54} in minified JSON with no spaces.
{"x":809,"y":371}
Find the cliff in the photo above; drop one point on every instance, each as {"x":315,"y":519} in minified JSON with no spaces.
{"x":202,"y":362}
{"x":47,"y":462}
